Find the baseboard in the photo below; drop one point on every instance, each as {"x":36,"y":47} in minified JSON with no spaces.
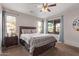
{"x":72,"y":43}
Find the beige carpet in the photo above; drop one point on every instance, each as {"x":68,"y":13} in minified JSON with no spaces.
{"x":59,"y":50}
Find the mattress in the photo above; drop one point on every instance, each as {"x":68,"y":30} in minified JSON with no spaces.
{"x":37,"y":40}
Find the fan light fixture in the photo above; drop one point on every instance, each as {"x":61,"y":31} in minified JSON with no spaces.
{"x":45,"y":7}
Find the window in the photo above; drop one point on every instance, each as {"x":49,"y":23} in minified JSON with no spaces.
{"x":54,"y":26}
{"x":39,"y":27}
{"x":10,"y":25}
{"x":57,"y":27}
{"x":50,"y":27}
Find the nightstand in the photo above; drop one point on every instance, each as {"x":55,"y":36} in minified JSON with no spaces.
{"x":10,"y":41}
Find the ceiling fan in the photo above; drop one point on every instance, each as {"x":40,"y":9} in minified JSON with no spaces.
{"x":45,"y":7}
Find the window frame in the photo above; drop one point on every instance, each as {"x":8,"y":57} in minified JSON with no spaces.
{"x":39,"y":27}
{"x":7,"y":34}
{"x":54,"y":22}
{"x":52,"y":26}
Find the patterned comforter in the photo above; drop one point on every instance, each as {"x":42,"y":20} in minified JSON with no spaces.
{"x":37,"y":40}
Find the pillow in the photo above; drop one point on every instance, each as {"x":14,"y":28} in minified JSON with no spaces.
{"x":33,"y":31}
{"x":26,"y":31}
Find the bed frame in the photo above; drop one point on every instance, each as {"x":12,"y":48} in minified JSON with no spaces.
{"x":25,"y":27}
{"x":37,"y":50}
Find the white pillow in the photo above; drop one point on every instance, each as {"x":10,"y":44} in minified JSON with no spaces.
{"x":26,"y":31}
{"x":33,"y":31}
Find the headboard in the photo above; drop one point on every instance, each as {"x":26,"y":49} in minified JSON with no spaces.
{"x":25,"y":27}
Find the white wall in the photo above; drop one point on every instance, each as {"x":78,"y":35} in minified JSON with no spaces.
{"x":70,"y":35}
{"x":26,"y":20}
{"x":0,"y":27}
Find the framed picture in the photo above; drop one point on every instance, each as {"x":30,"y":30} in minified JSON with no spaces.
{"x":76,"y":24}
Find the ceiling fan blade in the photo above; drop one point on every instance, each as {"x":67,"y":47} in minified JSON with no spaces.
{"x":49,"y":10}
{"x":51,"y":5}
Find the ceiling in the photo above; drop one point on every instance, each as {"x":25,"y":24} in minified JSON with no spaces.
{"x":33,"y":9}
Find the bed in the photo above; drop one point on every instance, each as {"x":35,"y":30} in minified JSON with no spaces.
{"x":35,"y":43}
